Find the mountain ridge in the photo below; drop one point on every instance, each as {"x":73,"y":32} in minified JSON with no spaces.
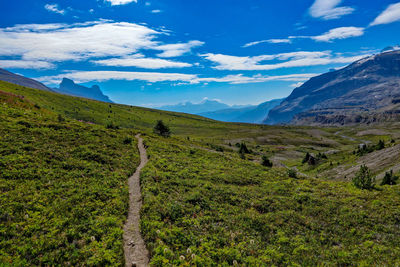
{"x":69,"y":87}
{"x":368,"y":85}
{"x":10,"y":77}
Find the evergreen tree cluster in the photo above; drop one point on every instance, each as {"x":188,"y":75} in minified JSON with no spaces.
{"x":161,"y":129}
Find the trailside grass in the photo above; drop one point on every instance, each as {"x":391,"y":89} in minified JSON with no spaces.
{"x":63,"y":189}
{"x":207,"y":208}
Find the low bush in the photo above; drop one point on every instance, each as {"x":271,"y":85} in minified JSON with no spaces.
{"x":389,"y":178}
{"x":292,"y":173}
{"x":266,"y":162}
{"x":243,"y":148}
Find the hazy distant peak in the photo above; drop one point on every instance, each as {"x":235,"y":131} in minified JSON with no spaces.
{"x":207,"y":105}
{"x":69,"y":87}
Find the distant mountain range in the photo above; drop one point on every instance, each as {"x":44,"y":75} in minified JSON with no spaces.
{"x":366,"y":91}
{"x":250,"y":114}
{"x":204,"y":106}
{"x":216,"y":110}
{"x":21,"y":80}
{"x":69,"y":87}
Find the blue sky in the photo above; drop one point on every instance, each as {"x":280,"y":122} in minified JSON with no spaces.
{"x":158,"y":52}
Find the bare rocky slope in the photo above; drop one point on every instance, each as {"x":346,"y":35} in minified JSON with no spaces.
{"x":367,"y":91}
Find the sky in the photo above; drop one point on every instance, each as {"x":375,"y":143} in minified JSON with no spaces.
{"x":159,"y":52}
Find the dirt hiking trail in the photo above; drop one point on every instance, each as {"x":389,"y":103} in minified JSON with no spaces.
{"x":135,"y":250}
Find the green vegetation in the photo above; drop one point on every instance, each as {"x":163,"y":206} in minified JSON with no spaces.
{"x":389,"y":178}
{"x":292,"y":173}
{"x":161,"y":129}
{"x":64,"y":195}
{"x":266,"y":162}
{"x":306,"y":158}
{"x":365,"y":149}
{"x":364,"y":179}
{"x":205,"y":208}
{"x":63,"y":191}
{"x":380,"y":145}
{"x":311,"y":160}
{"x":243,"y":149}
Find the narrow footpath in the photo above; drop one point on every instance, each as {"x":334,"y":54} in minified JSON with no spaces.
{"x":136,"y":254}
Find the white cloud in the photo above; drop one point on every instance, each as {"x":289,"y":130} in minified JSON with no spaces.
{"x":153,"y":77}
{"x":120,"y":2}
{"x":90,"y":40}
{"x":333,"y":34}
{"x":284,"y":60}
{"x":99,"y":76}
{"x":142,"y":62}
{"x":255,"y":43}
{"x":389,"y":15}
{"x":279,"y":41}
{"x":60,"y":42}
{"x":339,"y":33}
{"x":175,"y":50}
{"x":54,"y":8}
{"x":26,"y":64}
{"x":155,"y":11}
{"x":241,"y":79}
{"x":328,"y":9}
{"x":271,"y":41}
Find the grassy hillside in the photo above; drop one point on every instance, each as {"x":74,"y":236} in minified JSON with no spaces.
{"x":204,"y":204}
{"x":64,"y":196}
{"x":120,"y":115}
{"x":209,"y":208}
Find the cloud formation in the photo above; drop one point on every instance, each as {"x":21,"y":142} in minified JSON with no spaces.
{"x":339,"y":33}
{"x":60,"y":42}
{"x":153,"y":77}
{"x":389,"y":15}
{"x":278,"y":61}
{"x":97,"y":40}
{"x":26,"y":64}
{"x":120,"y":2}
{"x":329,"y":9}
{"x":54,"y":8}
{"x":140,"y":61}
{"x":271,"y":41}
{"x":242,"y":79}
{"x":100,"y":76}
{"x":333,"y":34}
{"x":176,"y":50}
